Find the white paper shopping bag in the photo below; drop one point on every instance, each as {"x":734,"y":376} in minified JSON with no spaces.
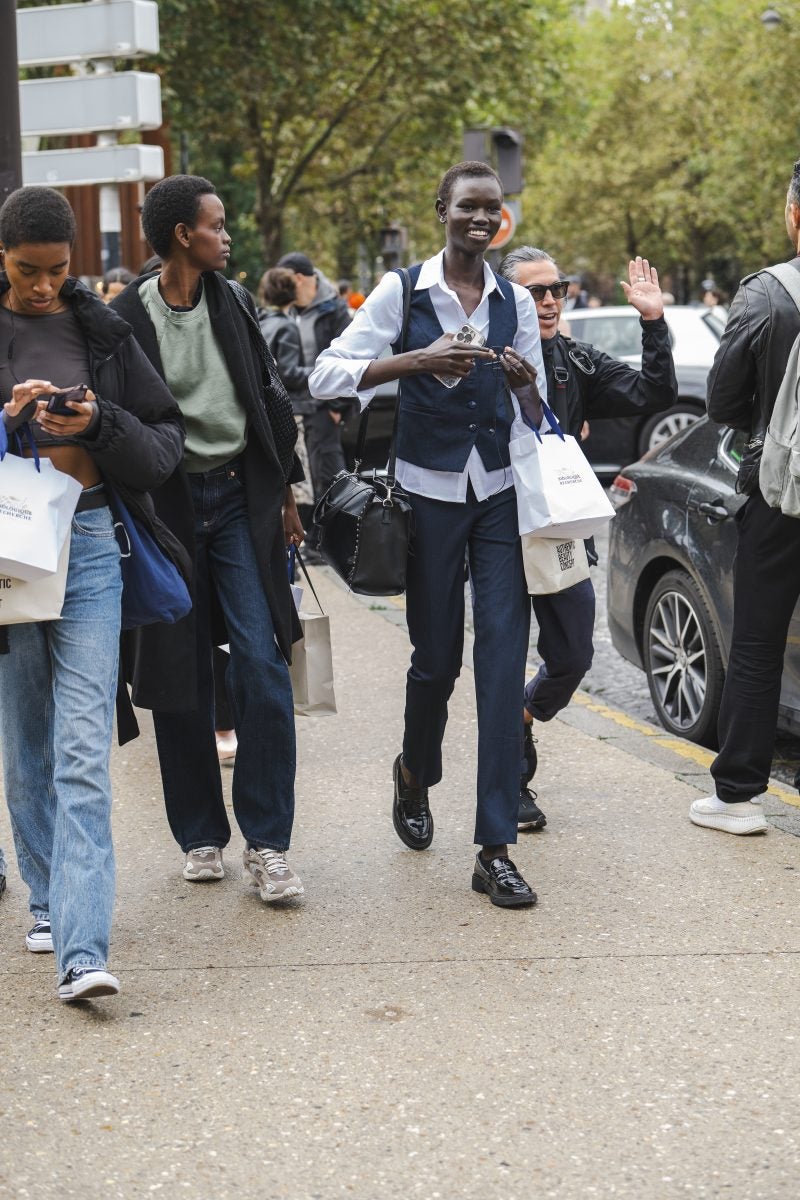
{"x":37,"y":503}
{"x":23,"y":601}
{"x":558,"y":493}
{"x":311,"y":671}
{"x":552,"y":564}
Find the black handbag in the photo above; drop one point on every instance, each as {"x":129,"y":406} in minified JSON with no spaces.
{"x":362,"y":525}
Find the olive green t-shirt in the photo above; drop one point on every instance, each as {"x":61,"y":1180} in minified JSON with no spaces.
{"x":197,"y":375}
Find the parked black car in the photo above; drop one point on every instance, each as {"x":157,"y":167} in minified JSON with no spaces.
{"x":670,"y":578}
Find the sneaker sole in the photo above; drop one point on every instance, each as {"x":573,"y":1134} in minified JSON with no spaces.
{"x":40,"y":947}
{"x":533,"y":826}
{"x":290,"y":893}
{"x":742,"y":826}
{"x":203,"y":876}
{"x":478,"y":885}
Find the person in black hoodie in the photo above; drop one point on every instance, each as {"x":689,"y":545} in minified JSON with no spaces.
{"x":582,"y":382}
{"x":231,"y":505}
{"x":58,"y":679}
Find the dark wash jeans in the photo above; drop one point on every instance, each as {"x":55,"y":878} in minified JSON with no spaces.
{"x":766,"y":589}
{"x":565,"y":646}
{"x":259,"y":690}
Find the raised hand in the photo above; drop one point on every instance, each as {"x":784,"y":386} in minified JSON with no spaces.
{"x":643,"y":291}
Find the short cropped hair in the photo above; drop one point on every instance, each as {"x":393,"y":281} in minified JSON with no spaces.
{"x":509,"y":267}
{"x":277,"y":287}
{"x":117,"y":275}
{"x":36,"y":214}
{"x":172,"y":201}
{"x":464,"y":170}
{"x":794,"y":186}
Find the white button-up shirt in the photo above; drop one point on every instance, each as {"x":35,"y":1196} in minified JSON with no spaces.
{"x":378,"y":324}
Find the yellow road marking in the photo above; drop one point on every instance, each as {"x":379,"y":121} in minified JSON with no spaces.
{"x":688,"y":750}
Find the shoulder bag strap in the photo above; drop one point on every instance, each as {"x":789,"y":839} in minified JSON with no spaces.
{"x":405,"y":280}
{"x":787,"y":277}
{"x":299,"y":558}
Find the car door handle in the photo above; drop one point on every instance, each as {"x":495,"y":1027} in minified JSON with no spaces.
{"x":714,"y":512}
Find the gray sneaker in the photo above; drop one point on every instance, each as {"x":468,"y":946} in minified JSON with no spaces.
{"x":205,"y":862}
{"x":39,"y":940}
{"x":272,"y":875}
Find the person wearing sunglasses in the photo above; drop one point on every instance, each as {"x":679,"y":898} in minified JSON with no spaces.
{"x":582,"y":383}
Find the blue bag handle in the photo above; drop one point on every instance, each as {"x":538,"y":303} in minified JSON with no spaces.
{"x":28,"y":438}
{"x":552,"y":421}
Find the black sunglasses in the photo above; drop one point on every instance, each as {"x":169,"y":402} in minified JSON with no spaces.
{"x":557,"y":290}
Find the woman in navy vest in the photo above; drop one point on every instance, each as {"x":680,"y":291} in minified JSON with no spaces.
{"x":453,"y":460}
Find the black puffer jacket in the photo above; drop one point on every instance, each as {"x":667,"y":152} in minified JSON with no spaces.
{"x":138,"y":441}
{"x":584,"y":382}
{"x":749,"y":365}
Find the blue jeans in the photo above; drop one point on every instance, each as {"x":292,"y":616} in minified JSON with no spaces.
{"x":259,"y":690}
{"x":57,"y":690}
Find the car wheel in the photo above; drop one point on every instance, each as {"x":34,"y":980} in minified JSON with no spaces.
{"x":662,"y":425}
{"x":682,"y":659}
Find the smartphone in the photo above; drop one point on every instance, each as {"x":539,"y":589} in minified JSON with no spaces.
{"x":467,"y":335}
{"x":57,"y":402}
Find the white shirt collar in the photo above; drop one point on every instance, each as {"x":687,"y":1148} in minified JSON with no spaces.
{"x":432,"y":274}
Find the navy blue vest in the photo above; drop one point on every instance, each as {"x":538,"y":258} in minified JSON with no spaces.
{"x":438,"y":426}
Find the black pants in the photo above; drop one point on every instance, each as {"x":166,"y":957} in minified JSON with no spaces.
{"x":766,"y":590}
{"x":324,"y":445}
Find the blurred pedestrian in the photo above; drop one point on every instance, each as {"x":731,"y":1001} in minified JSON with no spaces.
{"x":748,"y":370}
{"x":231,"y":505}
{"x":58,"y":679}
{"x":278,"y":294}
{"x":576,"y":296}
{"x":453,"y":460}
{"x":583,"y":383}
{"x":321,"y":316}
{"x":115,"y":281}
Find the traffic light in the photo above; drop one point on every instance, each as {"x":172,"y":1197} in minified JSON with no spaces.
{"x":501,"y":148}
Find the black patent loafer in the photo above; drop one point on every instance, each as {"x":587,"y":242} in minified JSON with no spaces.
{"x":502,"y":883}
{"x":529,"y":755}
{"x":412,"y":818}
{"x":530,"y":816}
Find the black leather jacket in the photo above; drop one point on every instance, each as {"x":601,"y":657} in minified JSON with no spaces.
{"x":283,"y":338}
{"x":749,"y":365}
{"x":584,"y":382}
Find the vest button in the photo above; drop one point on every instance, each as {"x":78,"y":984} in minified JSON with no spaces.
{"x":472,"y":428}
{"x":472,"y":404}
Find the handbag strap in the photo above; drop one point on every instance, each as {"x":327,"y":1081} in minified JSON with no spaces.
{"x":26,"y":428}
{"x":303,"y":568}
{"x":551,"y":418}
{"x":405,"y":280}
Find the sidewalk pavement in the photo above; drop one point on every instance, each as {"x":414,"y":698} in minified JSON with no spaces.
{"x":394,"y":1035}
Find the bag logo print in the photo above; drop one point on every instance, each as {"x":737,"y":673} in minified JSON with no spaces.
{"x":566,"y":555}
{"x":12,"y":506}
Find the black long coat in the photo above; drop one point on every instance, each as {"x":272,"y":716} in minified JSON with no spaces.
{"x":160,"y":660}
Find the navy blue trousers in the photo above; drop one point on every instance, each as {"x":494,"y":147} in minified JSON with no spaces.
{"x":443,"y":533}
{"x":566,"y":626}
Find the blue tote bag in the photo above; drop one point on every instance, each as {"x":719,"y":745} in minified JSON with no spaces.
{"x":153,"y":588}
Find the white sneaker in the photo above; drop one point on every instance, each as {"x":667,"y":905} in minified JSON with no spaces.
{"x":39,"y":940}
{"x":87,"y":983}
{"x":746,"y":816}
{"x":272,"y":875}
{"x":205,"y":862}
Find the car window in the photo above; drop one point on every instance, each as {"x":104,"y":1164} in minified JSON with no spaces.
{"x":733,"y":446}
{"x":619,"y":336}
{"x":715,"y":324}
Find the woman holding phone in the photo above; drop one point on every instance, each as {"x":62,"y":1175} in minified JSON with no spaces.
{"x":71,"y":370}
{"x":453,"y":460}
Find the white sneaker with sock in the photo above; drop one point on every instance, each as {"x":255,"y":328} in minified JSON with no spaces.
{"x":745,"y":816}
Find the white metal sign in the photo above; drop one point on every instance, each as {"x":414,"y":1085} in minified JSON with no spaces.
{"x":91,"y":103}
{"x":78,"y":32}
{"x":101,"y":164}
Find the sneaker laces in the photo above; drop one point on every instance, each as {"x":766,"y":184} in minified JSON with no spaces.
{"x":203,"y":851}
{"x":530,"y":793}
{"x":274,"y":861}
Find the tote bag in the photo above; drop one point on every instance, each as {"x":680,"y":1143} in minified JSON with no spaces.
{"x":153,"y":589}
{"x":37,"y":503}
{"x":22,"y":602}
{"x":558,"y":493}
{"x":552,"y":565}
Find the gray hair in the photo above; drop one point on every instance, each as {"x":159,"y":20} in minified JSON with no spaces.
{"x":510,"y":264}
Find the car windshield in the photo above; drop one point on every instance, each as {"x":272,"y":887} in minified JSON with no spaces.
{"x":714,"y":323}
{"x":619,"y":336}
